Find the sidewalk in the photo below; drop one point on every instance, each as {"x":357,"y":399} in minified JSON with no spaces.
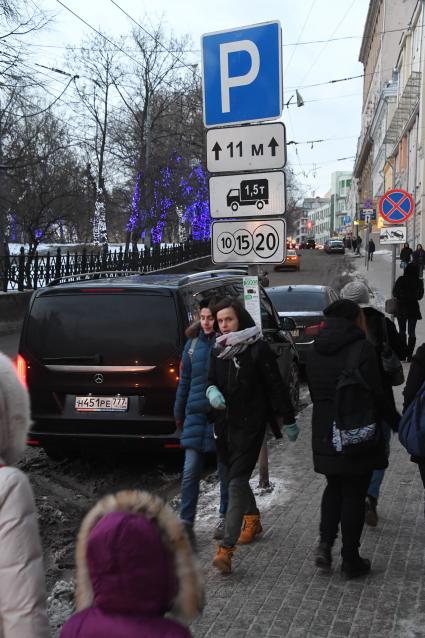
{"x":275,"y":588}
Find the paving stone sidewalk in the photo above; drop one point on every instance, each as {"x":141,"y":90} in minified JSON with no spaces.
{"x":276,"y":590}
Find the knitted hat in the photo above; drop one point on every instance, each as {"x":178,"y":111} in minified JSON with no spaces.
{"x":14,"y":413}
{"x":356,"y":291}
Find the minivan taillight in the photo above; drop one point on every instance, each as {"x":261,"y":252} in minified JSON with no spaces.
{"x":21,"y":369}
{"x":313,"y":331}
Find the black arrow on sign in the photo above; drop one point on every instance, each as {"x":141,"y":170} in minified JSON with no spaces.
{"x":273,"y":144}
{"x":216,"y":148}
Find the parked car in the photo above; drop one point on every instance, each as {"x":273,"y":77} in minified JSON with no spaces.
{"x":334,"y":246}
{"x":101,"y":355}
{"x":292,"y":260}
{"x":305,"y":304}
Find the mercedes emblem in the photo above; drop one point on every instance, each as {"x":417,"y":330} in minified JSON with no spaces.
{"x":98,"y":378}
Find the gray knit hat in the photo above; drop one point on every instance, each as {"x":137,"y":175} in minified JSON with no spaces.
{"x":356,"y":291}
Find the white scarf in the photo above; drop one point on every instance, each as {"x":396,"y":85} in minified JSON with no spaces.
{"x":234,"y":343}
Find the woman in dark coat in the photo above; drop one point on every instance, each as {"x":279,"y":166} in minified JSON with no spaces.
{"x":192,"y":413}
{"x":405,"y":255}
{"x":246,"y":390}
{"x":418,"y":258}
{"x":348,"y":477}
{"x":414,"y":382}
{"x":408,"y":289}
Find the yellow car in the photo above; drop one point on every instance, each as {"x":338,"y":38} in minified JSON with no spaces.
{"x":292,"y":261}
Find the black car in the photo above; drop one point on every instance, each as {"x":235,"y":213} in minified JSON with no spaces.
{"x":102,"y":355}
{"x":305,"y":304}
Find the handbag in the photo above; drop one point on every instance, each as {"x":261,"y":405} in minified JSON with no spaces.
{"x":391,"y":306}
{"x":390,"y":361}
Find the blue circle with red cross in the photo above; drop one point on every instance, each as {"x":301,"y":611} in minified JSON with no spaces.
{"x":396,"y":205}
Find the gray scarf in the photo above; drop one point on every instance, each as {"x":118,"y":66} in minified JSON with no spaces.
{"x":234,"y":343}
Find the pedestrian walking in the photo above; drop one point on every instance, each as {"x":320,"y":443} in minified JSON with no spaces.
{"x":246,"y":390}
{"x":408,"y":290}
{"x":358,"y":245}
{"x":370,"y":250}
{"x":382,"y":333}
{"x":22,"y":584}
{"x":192,"y":412}
{"x":134,"y":566}
{"x":415,"y":380}
{"x":354,"y":244}
{"x":418,"y":258}
{"x":346,"y":457}
{"x":405,"y":255}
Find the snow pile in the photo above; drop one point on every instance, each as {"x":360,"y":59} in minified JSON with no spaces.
{"x":60,"y":604}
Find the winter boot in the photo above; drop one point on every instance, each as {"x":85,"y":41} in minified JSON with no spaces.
{"x":223,"y":559}
{"x":218,"y":534}
{"x":191,"y":535}
{"x":323,"y":555}
{"x":250,"y":528}
{"x":355,"y":568}
{"x":371,"y":515}
{"x":410,"y":348}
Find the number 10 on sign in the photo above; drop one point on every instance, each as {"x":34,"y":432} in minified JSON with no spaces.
{"x":249,"y":242}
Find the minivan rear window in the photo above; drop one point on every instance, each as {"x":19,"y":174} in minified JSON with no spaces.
{"x":110,"y":329}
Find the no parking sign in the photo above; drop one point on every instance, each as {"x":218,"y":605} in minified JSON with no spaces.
{"x":396,"y":206}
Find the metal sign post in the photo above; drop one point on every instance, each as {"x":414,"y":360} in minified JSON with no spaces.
{"x":243,"y":83}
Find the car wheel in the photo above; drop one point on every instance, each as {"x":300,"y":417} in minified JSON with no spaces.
{"x":294,"y":384}
{"x":234,"y":207}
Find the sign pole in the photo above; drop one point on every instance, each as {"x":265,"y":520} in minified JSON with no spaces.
{"x":393,"y":260}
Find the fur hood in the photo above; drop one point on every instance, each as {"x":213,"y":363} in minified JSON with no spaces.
{"x":189,"y":599}
{"x":15,"y":418}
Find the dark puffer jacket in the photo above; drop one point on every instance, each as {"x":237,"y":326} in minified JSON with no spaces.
{"x":253,"y":389}
{"x":324,"y":366}
{"x":408,"y":289}
{"x":191,"y":404}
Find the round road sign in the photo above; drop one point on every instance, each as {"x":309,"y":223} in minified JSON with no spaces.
{"x":396,"y":205}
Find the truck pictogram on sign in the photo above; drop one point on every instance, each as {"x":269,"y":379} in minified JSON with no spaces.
{"x":251,"y":191}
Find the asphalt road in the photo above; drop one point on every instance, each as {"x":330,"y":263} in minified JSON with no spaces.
{"x":316,"y":268}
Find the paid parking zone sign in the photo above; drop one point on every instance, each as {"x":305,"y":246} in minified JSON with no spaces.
{"x":242,"y":74}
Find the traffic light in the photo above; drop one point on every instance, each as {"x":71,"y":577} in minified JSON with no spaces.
{"x":309,"y":225}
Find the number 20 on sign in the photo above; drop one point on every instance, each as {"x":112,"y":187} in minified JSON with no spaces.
{"x":254,"y":241}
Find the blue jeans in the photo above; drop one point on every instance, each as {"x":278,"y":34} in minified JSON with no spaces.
{"x":192,"y":471}
{"x":378,"y":475}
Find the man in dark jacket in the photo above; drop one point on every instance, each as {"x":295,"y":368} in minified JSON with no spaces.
{"x":380,"y":329}
{"x":348,"y":476}
{"x":408,"y":290}
{"x":415,"y":380}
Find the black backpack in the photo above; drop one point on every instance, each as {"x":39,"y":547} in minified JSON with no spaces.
{"x":355,"y":429}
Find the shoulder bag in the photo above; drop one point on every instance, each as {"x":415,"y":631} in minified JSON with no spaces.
{"x":390,"y":361}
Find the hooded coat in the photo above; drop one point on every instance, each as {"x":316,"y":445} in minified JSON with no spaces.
{"x":324,"y":366}
{"x":191,"y":404}
{"x":253,"y":388}
{"x":22,"y":586}
{"x":134,"y":565}
{"x":408,"y":289}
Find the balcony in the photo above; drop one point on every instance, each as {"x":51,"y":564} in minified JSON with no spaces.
{"x":406,"y":107}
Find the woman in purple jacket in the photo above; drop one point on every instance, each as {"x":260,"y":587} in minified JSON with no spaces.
{"x":134,"y":566}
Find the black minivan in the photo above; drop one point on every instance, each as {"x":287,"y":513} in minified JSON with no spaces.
{"x":101,"y":355}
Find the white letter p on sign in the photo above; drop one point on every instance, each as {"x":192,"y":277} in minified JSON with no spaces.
{"x":238,"y":80}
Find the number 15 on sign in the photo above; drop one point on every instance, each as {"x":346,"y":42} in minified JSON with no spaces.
{"x":249,"y":242}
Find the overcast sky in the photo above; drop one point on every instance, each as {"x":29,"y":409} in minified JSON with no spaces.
{"x":330,"y":110}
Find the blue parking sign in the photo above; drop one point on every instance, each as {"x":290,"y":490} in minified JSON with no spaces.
{"x":242,"y":74}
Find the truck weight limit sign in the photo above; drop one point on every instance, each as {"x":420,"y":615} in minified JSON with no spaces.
{"x":255,"y":241}
{"x":246,"y":195}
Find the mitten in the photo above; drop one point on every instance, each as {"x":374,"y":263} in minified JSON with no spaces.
{"x":215,"y":398}
{"x":292,"y":430}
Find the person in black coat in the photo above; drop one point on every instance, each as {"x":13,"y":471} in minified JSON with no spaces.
{"x":415,"y":380}
{"x":380,"y":330}
{"x":347,"y":477}
{"x":408,"y":290}
{"x":418,"y":258}
{"x":405,"y":255}
{"x":246,"y":390}
{"x":371,"y":249}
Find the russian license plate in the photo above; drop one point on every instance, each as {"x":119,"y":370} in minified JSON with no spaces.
{"x":101,"y":404}
{"x":295,"y":333}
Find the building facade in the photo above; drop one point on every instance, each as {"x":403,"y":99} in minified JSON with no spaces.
{"x":320,"y":219}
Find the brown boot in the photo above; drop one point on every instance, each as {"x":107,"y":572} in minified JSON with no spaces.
{"x":223,"y":559}
{"x":250,"y":528}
